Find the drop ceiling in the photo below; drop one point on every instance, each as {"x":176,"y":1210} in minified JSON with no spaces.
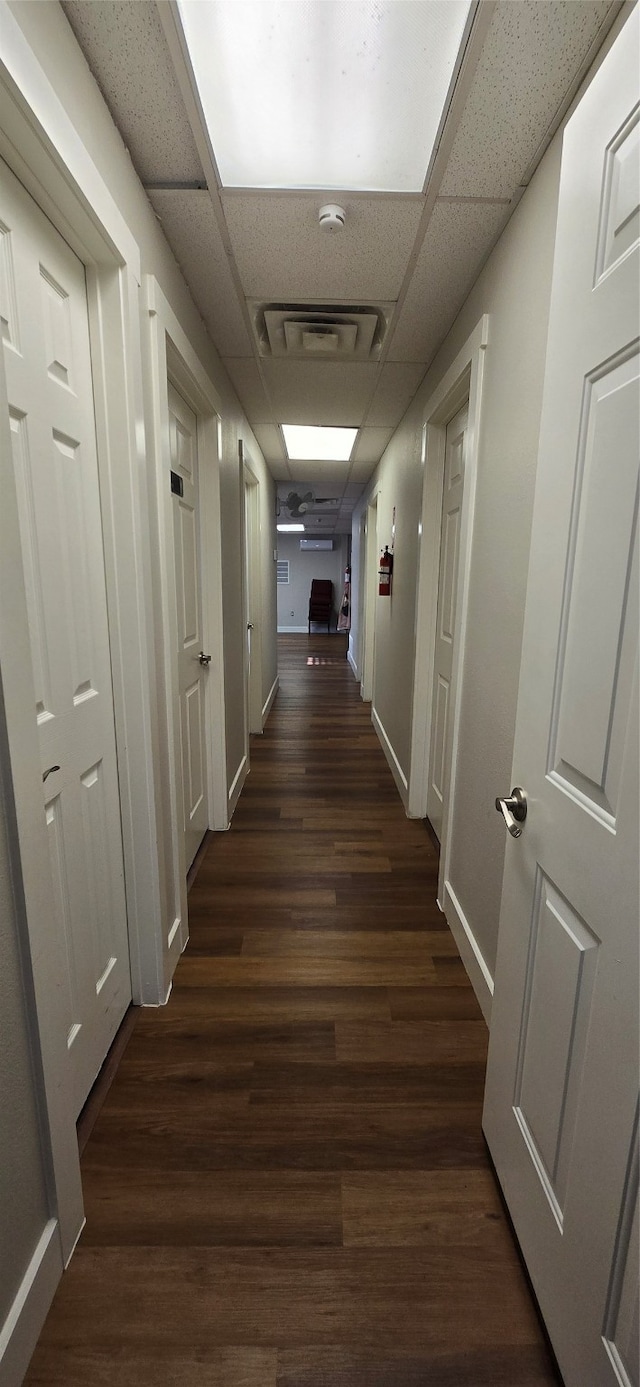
{"x":414,"y":256}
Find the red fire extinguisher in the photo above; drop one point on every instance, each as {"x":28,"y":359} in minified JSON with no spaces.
{"x":384,"y":573}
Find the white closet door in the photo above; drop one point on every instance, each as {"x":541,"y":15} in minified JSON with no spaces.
{"x":191,"y":673}
{"x":562,"y":1081}
{"x":440,"y":752}
{"x":43,"y":319}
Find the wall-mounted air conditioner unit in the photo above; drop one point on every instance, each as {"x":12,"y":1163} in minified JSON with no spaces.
{"x":307,"y":544}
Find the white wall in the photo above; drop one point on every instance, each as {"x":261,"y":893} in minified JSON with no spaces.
{"x":24,"y":1203}
{"x":514,"y":289}
{"x":293,"y":598}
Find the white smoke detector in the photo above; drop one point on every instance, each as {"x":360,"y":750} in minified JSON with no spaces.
{"x":332,"y":217}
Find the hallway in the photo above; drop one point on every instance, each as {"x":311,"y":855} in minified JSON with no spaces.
{"x":287,"y":1185}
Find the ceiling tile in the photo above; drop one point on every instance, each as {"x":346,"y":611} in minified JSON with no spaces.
{"x":278,"y":471}
{"x":323,"y":478}
{"x":370,"y":444}
{"x":249,"y":389}
{"x":270,"y":440}
{"x":396,"y":388}
{"x":125,"y":48}
{"x":282,"y":253}
{"x":458,"y":237}
{"x":189,"y":224}
{"x":319,"y":392}
{"x":532,"y":52}
{"x":362,"y":471}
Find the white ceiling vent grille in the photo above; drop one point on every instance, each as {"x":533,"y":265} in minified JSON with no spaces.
{"x":320,"y":331}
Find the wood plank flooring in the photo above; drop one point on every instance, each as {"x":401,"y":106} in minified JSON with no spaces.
{"x":287,"y":1185}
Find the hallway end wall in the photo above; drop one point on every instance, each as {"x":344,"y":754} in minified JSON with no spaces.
{"x":293,"y":597}
{"x":514,"y":290}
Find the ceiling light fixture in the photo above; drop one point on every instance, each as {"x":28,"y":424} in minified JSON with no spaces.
{"x":318,"y":443}
{"x":290,"y":529}
{"x":343,"y":94}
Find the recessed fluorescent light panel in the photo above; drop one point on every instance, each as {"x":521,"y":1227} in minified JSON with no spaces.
{"x":290,"y":529}
{"x":325,"y":94}
{"x":311,"y":443}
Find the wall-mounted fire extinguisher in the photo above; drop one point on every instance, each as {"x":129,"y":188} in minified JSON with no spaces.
{"x":384,"y":573}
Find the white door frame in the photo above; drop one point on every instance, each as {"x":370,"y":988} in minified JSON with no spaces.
{"x":369,"y":594}
{"x":170,"y":357}
{"x":252,"y":591}
{"x":462,"y":382}
{"x":42,"y":148}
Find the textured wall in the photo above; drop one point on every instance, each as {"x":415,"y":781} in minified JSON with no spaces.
{"x":294,"y":596}
{"x":23,"y":1200}
{"x":514,"y":289}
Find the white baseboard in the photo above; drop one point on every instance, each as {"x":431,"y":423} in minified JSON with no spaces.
{"x":22,"y":1327}
{"x":470,"y":953}
{"x":270,"y":697}
{"x":353,"y":664}
{"x":394,"y":764}
{"x":304,"y":630}
{"x":236,"y":785}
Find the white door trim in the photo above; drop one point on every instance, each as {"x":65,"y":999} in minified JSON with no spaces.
{"x":253,"y":596}
{"x":54,"y":166}
{"x":45,"y":151}
{"x":369,"y":570}
{"x":462,"y":381}
{"x":21,"y":1330}
{"x":170,"y":355}
{"x":42,"y":148}
{"x":30,"y":852}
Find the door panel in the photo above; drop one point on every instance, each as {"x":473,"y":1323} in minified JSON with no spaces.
{"x":191,"y":674}
{"x":439,"y":756}
{"x":622,"y":1324}
{"x":595,"y":665}
{"x":557,"y":1004}
{"x":562,"y":1081}
{"x":48,"y":365}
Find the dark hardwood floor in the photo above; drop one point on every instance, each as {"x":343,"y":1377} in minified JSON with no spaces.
{"x":287,"y":1185}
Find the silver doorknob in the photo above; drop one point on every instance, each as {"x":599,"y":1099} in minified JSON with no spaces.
{"x":514,"y":810}
{"x":46,"y":774}
{"x":204,"y":659}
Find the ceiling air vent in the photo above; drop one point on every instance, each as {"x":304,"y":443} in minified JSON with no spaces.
{"x":320,"y":331}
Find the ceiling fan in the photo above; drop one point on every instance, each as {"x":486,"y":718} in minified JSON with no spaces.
{"x":298,"y":505}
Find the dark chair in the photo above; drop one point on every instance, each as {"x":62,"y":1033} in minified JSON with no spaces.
{"x":321,"y":601}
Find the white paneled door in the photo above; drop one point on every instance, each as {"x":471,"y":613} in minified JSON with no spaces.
{"x":191,"y":656}
{"x":440,"y":748}
{"x":44,"y":325}
{"x":562,"y":1083}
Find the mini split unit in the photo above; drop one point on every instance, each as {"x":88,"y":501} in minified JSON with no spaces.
{"x":322,"y":332}
{"x":307,"y":544}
